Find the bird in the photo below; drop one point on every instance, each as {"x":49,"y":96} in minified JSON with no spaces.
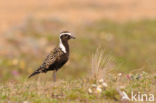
{"x":57,"y":57}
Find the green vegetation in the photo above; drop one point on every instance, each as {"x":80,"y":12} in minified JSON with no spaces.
{"x":131,"y":47}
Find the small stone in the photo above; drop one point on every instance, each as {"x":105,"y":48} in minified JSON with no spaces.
{"x":119,"y":74}
{"x":94,"y":85}
{"x":101,"y":81}
{"x":25,"y":102}
{"x":104,"y":84}
{"x":90,"y":90}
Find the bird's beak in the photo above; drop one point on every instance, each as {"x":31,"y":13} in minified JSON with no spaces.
{"x":72,"y":37}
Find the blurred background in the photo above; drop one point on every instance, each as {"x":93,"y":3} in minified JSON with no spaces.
{"x":29,"y":30}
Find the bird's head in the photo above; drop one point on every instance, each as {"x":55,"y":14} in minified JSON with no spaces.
{"x":66,"y":35}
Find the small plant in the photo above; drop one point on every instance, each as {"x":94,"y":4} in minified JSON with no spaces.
{"x":100,"y":65}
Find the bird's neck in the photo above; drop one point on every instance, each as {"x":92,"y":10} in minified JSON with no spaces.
{"x":64,"y":46}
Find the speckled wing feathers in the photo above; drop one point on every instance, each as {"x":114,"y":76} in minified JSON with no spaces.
{"x":52,"y":58}
{"x":48,"y":63}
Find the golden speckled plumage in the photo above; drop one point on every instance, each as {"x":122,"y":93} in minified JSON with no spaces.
{"x":56,"y":58}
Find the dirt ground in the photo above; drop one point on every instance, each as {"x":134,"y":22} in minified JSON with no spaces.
{"x":14,"y":12}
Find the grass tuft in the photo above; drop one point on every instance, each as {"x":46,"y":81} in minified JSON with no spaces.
{"x":100,"y":65}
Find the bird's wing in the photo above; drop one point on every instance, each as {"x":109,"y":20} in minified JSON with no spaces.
{"x":50,"y":60}
{"x":52,"y":57}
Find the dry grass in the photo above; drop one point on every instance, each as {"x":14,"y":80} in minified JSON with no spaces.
{"x":102,"y":63}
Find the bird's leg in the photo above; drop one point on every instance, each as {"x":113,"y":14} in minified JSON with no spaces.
{"x":54,"y":75}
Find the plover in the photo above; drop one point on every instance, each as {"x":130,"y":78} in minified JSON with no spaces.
{"x":58,"y":57}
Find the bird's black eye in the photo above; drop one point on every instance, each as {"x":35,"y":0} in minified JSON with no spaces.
{"x":66,"y":35}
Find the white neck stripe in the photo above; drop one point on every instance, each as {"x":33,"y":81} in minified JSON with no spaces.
{"x":62,"y":46}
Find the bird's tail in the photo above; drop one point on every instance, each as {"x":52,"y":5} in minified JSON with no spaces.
{"x":39,"y":70}
{"x":34,"y":73}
